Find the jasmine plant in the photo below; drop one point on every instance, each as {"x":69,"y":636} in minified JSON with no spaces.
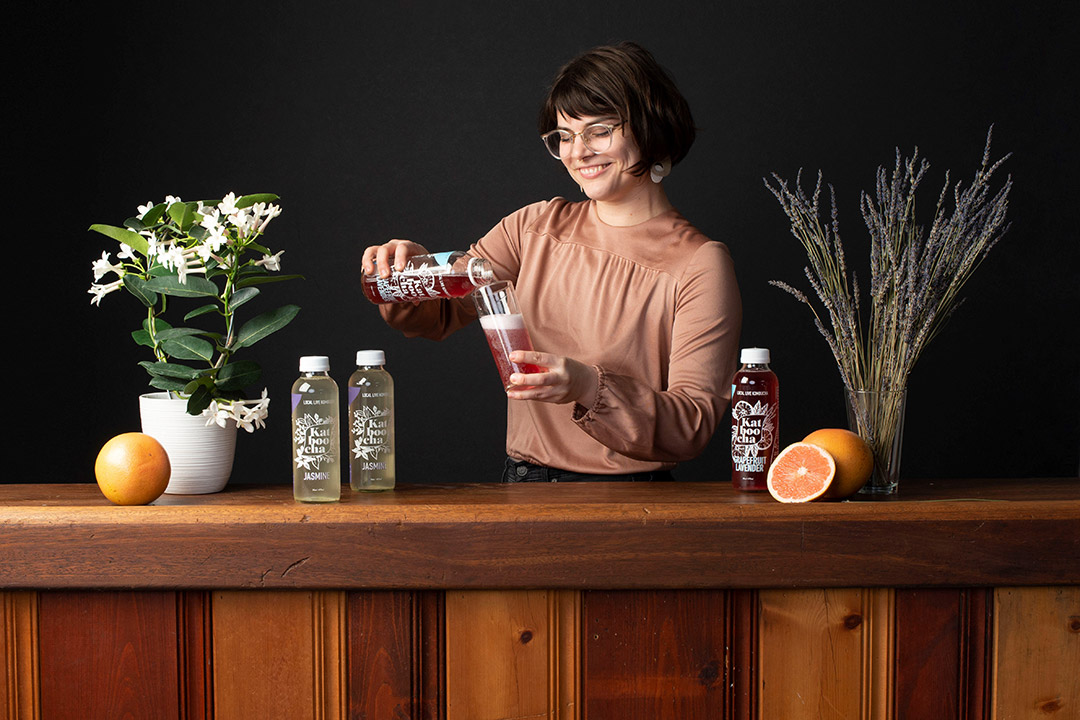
{"x":201,"y":251}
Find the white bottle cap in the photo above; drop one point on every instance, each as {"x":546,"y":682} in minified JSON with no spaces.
{"x":754,"y":356}
{"x":370,"y":357}
{"x":314,"y":363}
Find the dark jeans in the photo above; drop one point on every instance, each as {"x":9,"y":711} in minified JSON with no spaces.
{"x":516,"y":471}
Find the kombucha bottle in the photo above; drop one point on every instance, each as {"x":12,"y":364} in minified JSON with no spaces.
{"x":371,"y":423}
{"x":316,"y":447}
{"x":427,"y":277}
{"x":755,"y":421}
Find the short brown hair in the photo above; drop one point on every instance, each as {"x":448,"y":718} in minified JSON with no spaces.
{"x":624,"y":80}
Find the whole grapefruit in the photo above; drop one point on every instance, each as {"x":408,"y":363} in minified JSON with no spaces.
{"x":853,"y":457}
{"x":132,"y":469}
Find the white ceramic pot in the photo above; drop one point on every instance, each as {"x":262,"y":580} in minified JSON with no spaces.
{"x":201,"y":455}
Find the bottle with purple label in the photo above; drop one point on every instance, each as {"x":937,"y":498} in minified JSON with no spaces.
{"x":371,"y":423}
{"x":427,"y":277}
{"x":316,"y":450}
{"x":755,"y":421}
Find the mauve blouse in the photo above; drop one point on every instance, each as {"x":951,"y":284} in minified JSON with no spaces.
{"x":654,"y":307}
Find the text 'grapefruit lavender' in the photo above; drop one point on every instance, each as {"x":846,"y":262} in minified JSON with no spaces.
{"x":755,"y":420}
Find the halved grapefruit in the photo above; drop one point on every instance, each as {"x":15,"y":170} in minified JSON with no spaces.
{"x":800,"y":473}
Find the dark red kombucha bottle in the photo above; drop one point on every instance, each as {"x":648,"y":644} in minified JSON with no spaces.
{"x":755,"y":421}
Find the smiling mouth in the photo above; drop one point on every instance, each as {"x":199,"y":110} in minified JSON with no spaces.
{"x":591,"y":171}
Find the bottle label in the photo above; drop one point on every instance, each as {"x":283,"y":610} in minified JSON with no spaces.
{"x":370,"y":427}
{"x":401,"y":287}
{"x":313,"y":438}
{"x":753,"y":431}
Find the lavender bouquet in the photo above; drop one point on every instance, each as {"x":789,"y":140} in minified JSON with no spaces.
{"x":916,"y":276}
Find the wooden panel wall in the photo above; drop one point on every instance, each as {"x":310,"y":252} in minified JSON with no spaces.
{"x":512,"y":654}
{"x":879,"y":654}
{"x":19,"y":655}
{"x":655,"y":655}
{"x":825,"y":653}
{"x":108,"y":655}
{"x":943,"y":660}
{"x":1037,"y":653}
{"x":396,"y":655}
{"x":279,"y":654}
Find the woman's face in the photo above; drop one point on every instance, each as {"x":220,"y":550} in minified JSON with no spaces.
{"x":604,"y":177}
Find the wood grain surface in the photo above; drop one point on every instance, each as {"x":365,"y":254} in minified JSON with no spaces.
{"x":589,"y":535}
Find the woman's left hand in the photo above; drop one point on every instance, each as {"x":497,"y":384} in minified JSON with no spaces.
{"x":565,"y":380}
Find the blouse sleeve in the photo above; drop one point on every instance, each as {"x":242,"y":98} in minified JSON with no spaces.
{"x":675,"y":423}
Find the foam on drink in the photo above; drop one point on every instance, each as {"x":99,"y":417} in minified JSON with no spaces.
{"x":506,"y":333}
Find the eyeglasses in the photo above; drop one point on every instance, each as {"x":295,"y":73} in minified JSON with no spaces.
{"x":597,"y":139}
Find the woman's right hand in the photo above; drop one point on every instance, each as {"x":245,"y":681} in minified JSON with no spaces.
{"x":393,"y":254}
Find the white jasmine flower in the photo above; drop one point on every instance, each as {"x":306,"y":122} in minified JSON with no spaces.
{"x":205,"y":251}
{"x":272,"y":211}
{"x":100,"y":291}
{"x":143,"y":209}
{"x":125,"y":253}
{"x":153,"y":245}
{"x":271,"y":262}
{"x":103,"y":267}
{"x":180,"y":258}
{"x":227,"y":206}
{"x":216,"y":236}
{"x":169,"y":200}
{"x":210,"y":217}
{"x":242,"y":221}
{"x":221,"y":415}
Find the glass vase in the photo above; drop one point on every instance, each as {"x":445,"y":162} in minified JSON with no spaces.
{"x":877,"y":416}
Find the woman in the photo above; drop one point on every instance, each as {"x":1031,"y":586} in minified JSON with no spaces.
{"x":633,"y":312}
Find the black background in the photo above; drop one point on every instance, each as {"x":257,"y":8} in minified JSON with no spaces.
{"x":417,"y":120}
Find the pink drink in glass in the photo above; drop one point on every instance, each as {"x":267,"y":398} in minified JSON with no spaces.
{"x":506,"y":333}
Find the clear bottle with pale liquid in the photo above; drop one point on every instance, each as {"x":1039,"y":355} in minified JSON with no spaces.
{"x":371,"y":424}
{"x":315,"y":423}
{"x":755,"y":420}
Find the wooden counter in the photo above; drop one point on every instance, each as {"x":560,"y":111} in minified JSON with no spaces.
{"x":668,"y":600}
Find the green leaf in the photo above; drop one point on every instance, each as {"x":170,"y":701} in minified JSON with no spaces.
{"x":248,"y":200}
{"x":153,"y":215}
{"x":183,"y":214}
{"x":137,"y":287}
{"x":264,"y":279}
{"x":194,"y":286}
{"x":142,"y":337}
{"x":199,"y":400}
{"x":129,"y":237}
{"x":201,"y":311}
{"x":260,"y":326}
{"x":159,"y":324}
{"x":165,"y":383}
{"x":238,"y":375}
{"x":242,"y":296}
{"x":170,"y":370}
{"x":175,"y":333}
{"x":189,"y":347}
